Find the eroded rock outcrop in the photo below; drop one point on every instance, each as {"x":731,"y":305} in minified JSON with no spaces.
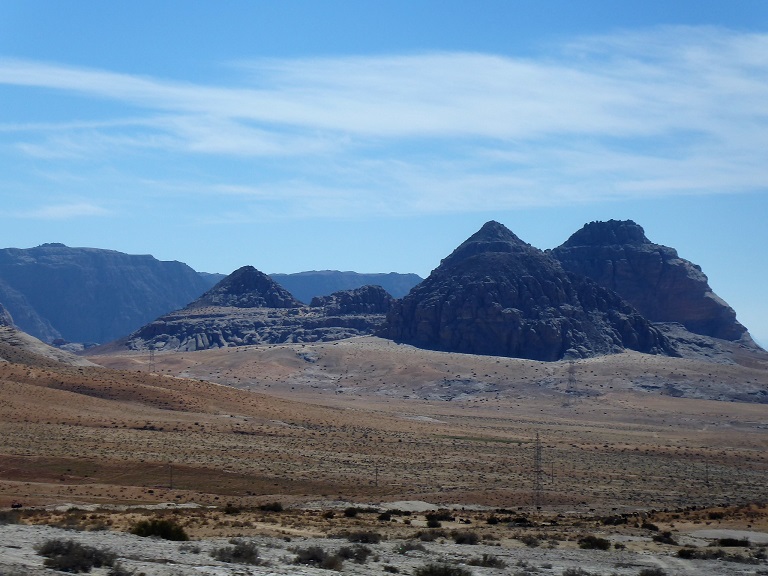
{"x":248,"y":307}
{"x":497,"y":295}
{"x":662,"y":286}
{"x":364,"y":300}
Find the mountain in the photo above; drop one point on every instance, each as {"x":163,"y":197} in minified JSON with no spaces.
{"x":662,"y":286}
{"x":5,"y":317}
{"x":307,"y":285}
{"x":88,"y":294}
{"x":246,"y":287}
{"x":248,"y":307}
{"x":498,"y":295}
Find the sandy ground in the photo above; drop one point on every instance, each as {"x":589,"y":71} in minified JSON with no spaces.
{"x":366,"y":421}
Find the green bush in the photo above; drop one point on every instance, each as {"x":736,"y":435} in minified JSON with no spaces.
{"x":162,"y":528}
{"x":441,"y":569}
{"x":594,"y":543}
{"x":71,"y":556}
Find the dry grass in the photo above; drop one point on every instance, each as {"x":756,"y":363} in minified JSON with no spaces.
{"x":365,"y":420}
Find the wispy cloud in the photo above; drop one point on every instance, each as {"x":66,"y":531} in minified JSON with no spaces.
{"x":63,"y":211}
{"x":661,"y":111}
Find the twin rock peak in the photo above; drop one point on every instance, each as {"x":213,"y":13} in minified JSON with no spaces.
{"x":605,"y":290}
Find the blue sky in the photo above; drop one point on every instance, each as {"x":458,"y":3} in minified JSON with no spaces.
{"x":377,"y":135}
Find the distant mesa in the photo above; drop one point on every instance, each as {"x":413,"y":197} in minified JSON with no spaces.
{"x":497,"y":295}
{"x":89,"y":294}
{"x":662,"y":286}
{"x":307,"y":285}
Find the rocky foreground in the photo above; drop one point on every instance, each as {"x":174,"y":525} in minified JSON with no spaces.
{"x":394,"y":538}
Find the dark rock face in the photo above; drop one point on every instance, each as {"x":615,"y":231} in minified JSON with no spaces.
{"x":660,"y":285}
{"x":5,"y":317}
{"x":365,"y":300}
{"x":307,"y":285}
{"x":246,"y":287}
{"x":221,"y":318}
{"x":88,"y":294}
{"x":497,"y":295}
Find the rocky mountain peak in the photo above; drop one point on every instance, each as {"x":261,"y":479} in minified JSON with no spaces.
{"x":610,"y":233}
{"x":247,"y":287}
{"x":662,"y":286}
{"x":497,"y":295}
{"x":492,"y":237}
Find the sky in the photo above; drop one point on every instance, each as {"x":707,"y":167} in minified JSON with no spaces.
{"x":377,"y":135}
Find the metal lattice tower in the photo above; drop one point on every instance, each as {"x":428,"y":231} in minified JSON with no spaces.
{"x":537,"y":474}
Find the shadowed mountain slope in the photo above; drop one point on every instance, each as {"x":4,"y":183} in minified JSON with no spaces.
{"x":662,"y":286}
{"x":496,"y":294}
{"x":90,"y":295}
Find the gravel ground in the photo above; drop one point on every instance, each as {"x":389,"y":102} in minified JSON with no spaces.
{"x":154,"y":557}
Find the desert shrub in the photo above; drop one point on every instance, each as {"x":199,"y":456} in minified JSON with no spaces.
{"x":385,"y":516}
{"x":433,"y":523}
{"x":492,"y":520}
{"x":241,"y":552}
{"x":665,"y":538}
{"x":351,"y":512}
{"x":732,"y":542}
{"x":429,"y":535}
{"x":649,"y":526}
{"x":441,"y":569}
{"x":594,"y":543}
{"x":71,"y":556}
{"x":409,"y":546}
{"x":358,"y":554}
{"x":164,"y":528}
{"x":9,"y":516}
{"x":614,"y":520}
{"x":316,"y":556}
{"x":652,"y":572}
{"x":529,"y":540}
{"x":119,"y":570}
{"x":470,"y":538}
{"x":441,"y":516}
{"x":230,"y":508}
{"x":391,"y":569}
{"x":487,"y":561}
{"x":364,"y":537}
{"x":716,"y":515}
{"x":576,"y":572}
{"x":192,"y":548}
{"x":697,"y":554}
{"x":274,"y":507}
{"x":328,"y":514}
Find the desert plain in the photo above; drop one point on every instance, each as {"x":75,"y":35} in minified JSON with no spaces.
{"x":556,"y":450}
